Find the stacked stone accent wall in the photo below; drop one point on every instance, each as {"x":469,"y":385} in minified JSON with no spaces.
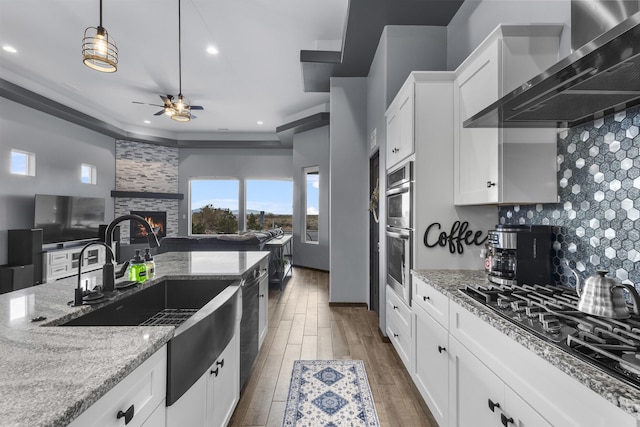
{"x":146,"y":168}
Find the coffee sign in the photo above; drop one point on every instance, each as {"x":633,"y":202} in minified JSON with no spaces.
{"x":459,"y":235}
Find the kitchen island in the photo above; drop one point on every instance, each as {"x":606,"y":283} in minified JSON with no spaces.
{"x":50,"y":374}
{"x":533,"y":368}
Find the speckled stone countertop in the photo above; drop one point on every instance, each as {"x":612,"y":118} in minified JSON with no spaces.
{"x":50,"y":374}
{"x":449,"y":282}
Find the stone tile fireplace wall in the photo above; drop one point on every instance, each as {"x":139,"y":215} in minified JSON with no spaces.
{"x":150,"y":168}
{"x":598,"y":217}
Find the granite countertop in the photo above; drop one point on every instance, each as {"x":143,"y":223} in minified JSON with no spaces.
{"x":617,"y":392}
{"x":50,"y":374}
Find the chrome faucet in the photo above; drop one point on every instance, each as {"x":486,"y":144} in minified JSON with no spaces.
{"x":108,"y":271}
{"x":77,"y":299}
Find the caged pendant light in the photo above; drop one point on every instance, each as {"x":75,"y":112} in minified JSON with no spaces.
{"x":99,"y":50}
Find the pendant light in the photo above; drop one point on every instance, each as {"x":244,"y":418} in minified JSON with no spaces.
{"x":99,"y":51}
{"x":181,"y":108}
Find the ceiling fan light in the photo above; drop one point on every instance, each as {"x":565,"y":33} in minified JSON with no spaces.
{"x":182,"y":116}
{"x":99,"y":50}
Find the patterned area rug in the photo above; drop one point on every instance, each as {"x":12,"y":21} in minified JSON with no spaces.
{"x":330,"y":393}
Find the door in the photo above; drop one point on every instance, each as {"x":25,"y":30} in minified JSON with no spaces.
{"x":374,"y":233}
{"x":476,"y":395}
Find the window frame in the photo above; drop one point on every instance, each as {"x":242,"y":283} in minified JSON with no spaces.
{"x":306,"y":172}
{"x":29,"y":164}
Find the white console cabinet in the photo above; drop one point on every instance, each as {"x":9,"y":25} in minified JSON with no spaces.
{"x":495,"y":165}
{"x":142,"y":393}
{"x":61,"y":263}
{"x":212,"y":399}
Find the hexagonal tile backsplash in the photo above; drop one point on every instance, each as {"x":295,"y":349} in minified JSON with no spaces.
{"x":598,"y":217}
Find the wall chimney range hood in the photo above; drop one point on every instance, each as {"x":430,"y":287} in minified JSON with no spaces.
{"x":600,"y":78}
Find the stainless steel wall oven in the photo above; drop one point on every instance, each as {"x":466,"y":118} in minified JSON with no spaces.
{"x":399,"y":232}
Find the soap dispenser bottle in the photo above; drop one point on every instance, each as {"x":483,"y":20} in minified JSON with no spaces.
{"x":149,"y":264}
{"x":137,"y":269}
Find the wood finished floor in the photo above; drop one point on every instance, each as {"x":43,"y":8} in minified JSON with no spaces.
{"x":302,"y":325}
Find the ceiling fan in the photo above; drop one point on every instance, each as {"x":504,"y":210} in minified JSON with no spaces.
{"x":169,"y":107}
{"x":180,"y":109}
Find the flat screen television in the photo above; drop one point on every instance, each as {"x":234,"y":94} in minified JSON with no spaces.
{"x":68,"y":218}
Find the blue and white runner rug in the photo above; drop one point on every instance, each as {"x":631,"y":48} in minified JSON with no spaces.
{"x":330,"y":393}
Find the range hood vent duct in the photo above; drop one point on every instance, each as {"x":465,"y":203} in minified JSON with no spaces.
{"x":600,"y":78}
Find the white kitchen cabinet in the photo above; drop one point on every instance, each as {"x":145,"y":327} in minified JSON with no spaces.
{"x":400,"y":126}
{"x":478,"y":397}
{"x":223,"y":385}
{"x":535,"y":387}
{"x":210,"y":401}
{"x":158,"y":418}
{"x":431,"y":375}
{"x":492,"y":165}
{"x":399,"y":328}
{"x":263,"y":311}
{"x":138,"y":395}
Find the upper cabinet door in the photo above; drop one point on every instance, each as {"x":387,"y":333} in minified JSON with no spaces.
{"x":505,"y":166}
{"x":400,"y":126}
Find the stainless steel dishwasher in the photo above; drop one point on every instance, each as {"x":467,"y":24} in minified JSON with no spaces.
{"x":249,"y":338}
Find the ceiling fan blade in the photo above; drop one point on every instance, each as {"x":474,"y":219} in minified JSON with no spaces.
{"x":166,"y":99}
{"x":193,"y":117}
{"x":159,"y":113}
{"x":197,"y":107}
{"x":145,"y":103}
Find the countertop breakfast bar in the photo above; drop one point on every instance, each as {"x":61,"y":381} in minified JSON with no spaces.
{"x":50,"y":374}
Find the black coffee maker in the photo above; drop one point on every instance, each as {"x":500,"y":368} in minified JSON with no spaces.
{"x":519,"y":254}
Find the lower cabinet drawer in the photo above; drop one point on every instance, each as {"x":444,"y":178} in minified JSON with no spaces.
{"x":402,"y":341}
{"x":431,"y":300}
{"x":401,"y":310}
{"x":143,"y":390}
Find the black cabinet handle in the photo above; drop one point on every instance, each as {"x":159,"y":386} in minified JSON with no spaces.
{"x":261,"y":295}
{"x":426,"y":298}
{"x":493,"y":405}
{"x":505,"y":420}
{"x":128,"y":415}
{"x":395,"y":335}
{"x":490,"y":184}
{"x":441,"y":349}
{"x":220,"y":363}
{"x":214,"y":372}
{"x":395,"y":307}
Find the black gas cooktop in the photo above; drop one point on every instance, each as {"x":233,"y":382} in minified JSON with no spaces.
{"x":551,"y":313}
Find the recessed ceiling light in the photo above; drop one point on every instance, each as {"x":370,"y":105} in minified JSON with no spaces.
{"x":9,"y":49}
{"x":147,"y":121}
{"x":260,"y":122}
{"x":212,"y":50}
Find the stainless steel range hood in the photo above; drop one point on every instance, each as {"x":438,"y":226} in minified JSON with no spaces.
{"x":600,"y":78}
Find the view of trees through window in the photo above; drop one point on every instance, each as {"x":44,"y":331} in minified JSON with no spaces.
{"x":215,"y":206}
{"x":269,"y":204}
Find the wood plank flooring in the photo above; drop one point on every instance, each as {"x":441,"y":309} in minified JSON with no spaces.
{"x":302,"y":325}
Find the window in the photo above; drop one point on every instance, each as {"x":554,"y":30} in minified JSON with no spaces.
{"x":214,"y":206}
{"x":88,"y":174}
{"x":269,"y":204}
{"x":312,"y":203}
{"x":23,"y":163}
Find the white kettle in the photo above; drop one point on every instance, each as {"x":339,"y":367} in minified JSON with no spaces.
{"x":604,"y":296}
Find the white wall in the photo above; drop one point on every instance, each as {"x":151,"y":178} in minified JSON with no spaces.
{"x":311,"y":148}
{"x":60,"y":148}
{"x":231,"y":163}
{"x":477,"y":18}
{"x":401,"y":50}
{"x":349,"y":218}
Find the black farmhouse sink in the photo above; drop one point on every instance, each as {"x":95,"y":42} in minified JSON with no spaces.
{"x":204,"y":312}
